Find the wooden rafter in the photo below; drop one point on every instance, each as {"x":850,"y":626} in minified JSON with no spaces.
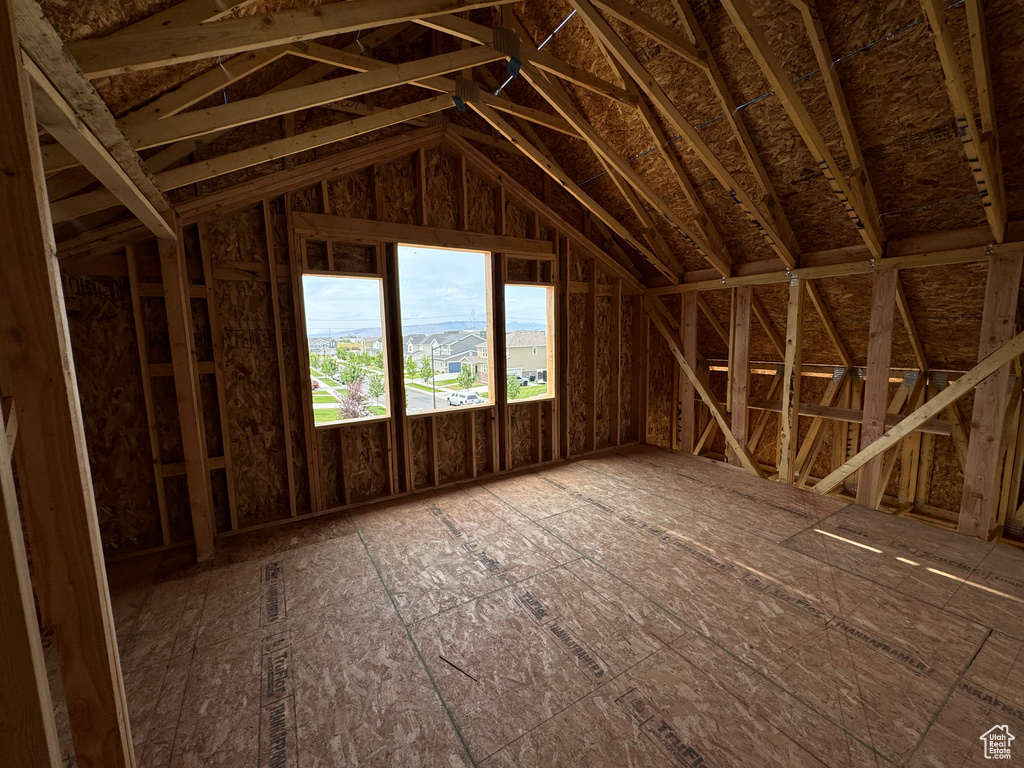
{"x":556,"y":96}
{"x":981,"y":148}
{"x":556,"y":173}
{"x":178,"y":44}
{"x":646,"y":24}
{"x":99,"y":200}
{"x":606,"y":36}
{"x":564,"y":106}
{"x":857,"y":176}
{"x":73,"y":112}
{"x":704,"y":225}
{"x":732,"y":115}
{"x":855,"y":207}
{"x":469,"y":31}
{"x":191,"y":124}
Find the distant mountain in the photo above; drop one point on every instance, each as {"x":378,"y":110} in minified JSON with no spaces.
{"x":423,"y":328}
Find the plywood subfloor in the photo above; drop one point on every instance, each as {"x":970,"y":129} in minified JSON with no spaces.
{"x":633,"y":609}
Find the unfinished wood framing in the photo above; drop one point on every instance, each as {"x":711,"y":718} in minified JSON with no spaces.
{"x":208,"y":353}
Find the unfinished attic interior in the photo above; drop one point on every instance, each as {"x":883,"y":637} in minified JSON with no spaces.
{"x":554,"y":383}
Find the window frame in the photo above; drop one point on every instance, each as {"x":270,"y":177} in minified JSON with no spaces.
{"x":385,"y":373}
{"x":488,"y":259}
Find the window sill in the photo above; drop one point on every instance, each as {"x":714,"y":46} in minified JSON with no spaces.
{"x":348,"y":422}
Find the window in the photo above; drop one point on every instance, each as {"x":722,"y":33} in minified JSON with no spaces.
{"x":529,"y":340}
{"x":349,"y":382}
{"x":443,"y":299}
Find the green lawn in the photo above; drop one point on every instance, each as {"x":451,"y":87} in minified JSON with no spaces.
{"x":532,"y":391}
{"x":326,"y":415}
{"x":423,"y":387}
{"x":324,"y":398}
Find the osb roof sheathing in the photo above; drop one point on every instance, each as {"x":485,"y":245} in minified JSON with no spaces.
{"x":891,"y":77}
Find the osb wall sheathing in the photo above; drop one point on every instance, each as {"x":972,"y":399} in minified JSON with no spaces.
{"x":422,"y":457}
{"x":576,"y":376}
{"x":662,"y":406}
{"x":628,"y":360}
{"x":365,"y":459}
{"x":354,"y":461}
{"x":251,"y":378}
{"x":523,"y":424}
{"x":603,"y":381}
{"x":483,"y":449}
{"x":110,"y":389}
{"x":442,"y":200}
{"x":452,"y":447}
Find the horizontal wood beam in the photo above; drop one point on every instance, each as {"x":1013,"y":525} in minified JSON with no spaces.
{"x":470,"y":31}
{"x":843,"y":269}
{"x":1009,"y":351}
{"x":327,"y":55}
{"x":197,"y":123}
{"x":72,"y":208}
{"x":160,"y":47}
{"x":849,"y":415}
{"x":323,"y":225}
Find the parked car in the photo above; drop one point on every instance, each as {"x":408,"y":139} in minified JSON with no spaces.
{"x":464,"y":398}
{"x":524,"y":381}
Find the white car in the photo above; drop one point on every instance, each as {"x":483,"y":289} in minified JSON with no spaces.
{"x":464,"y":398}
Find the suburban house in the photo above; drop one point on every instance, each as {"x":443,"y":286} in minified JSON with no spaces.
{"x":323,"y":345}
{"x":454,"y":352}
{"x":371,"y":345}
{"x":447,"y":350}
{"x":526,"y":352}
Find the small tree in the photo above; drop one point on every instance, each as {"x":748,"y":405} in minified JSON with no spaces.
{"x":350,"y":373}
{"x":329,"y":366}
{"x":466,"y":378}
{"x":378,"y":361}
{"x":513,"y":387}
{"x":410,"y":368}
{"x":426,"y":370}
{"x":376,"y":388}
{"x":353,"y":405}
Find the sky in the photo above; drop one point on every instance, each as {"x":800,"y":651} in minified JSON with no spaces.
{"x":436,"y":286}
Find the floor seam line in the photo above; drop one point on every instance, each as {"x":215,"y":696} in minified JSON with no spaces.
{"x":416,"y":648}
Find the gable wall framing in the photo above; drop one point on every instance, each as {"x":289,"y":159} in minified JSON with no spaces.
{"x":268,"y":462}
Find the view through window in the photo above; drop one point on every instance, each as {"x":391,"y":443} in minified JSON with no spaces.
{"x":344,"y":326}
{"x":529,"y":341}
{"x":443,"y":299}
